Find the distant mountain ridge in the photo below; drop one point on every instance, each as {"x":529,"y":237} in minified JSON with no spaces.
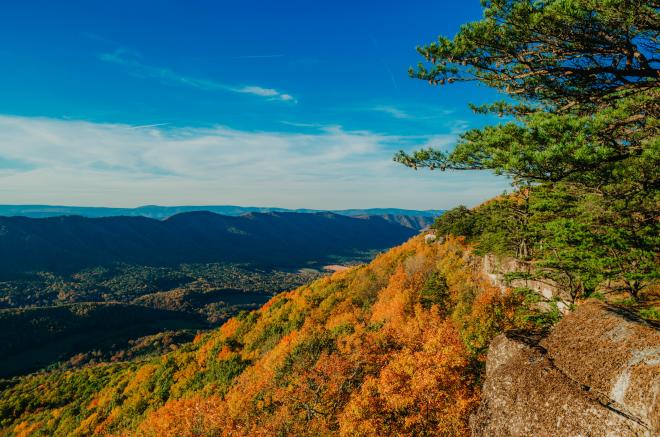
{"x":416,"y":222}
{"x":275,"y":239}
{"x":162,"y":212}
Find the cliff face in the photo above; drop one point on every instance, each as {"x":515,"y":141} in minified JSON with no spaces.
{"x":496,"y":269}
{"x":597,"y":374}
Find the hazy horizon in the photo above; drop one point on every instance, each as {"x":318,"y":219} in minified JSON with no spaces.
{"x":202,"y":207}
{"x":55,"y":205}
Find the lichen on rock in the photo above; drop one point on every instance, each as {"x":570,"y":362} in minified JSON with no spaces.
{"x":597,"y":373}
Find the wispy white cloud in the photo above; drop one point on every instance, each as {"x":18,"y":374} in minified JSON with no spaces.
{"x":144,"y":126}
{"x":131,"y":61}
{"x":416,"y":112}
{"x":377,"y":50}
{"x":264,"y":92}
{"x":299,"y":124}
{"x":393,"y":111}
{"x":45,"y":160}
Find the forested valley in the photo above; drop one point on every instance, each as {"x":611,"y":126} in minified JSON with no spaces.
{"x":564,"y":263}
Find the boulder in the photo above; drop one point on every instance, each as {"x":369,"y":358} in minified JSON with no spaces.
{"x":596,"y":374}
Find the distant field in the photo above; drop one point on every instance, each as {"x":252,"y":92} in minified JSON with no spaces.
{"x":335,"y":268}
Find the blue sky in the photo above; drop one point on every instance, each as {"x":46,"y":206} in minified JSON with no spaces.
{"x":274,"y":103}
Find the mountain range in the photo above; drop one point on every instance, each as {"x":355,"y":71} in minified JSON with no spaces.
{"x":162,"y":212}
{"x":268,"y":240}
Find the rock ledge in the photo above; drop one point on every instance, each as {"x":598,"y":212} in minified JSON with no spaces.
{"x":596,"y":374}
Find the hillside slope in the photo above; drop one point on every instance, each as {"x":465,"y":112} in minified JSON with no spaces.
{"x":71,"y":243}
{"x":34,"y":338}
{"x":393,"y":347}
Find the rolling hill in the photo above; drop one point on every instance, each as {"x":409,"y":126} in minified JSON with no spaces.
{"x":276,"y":239}
{"x":34,"y":338}
{"x":163,"y":212}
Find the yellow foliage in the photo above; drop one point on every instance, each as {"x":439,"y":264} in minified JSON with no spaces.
{"x":357,"y":353}
{"x":187,"y":418}
{"x":25,"y":429}
{"x":142,"y":375}
{"x":87,"y":426}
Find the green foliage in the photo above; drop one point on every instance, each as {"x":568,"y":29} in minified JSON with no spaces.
{"x":435,"y":292}
{"x":650,"y":314}
{"x":304,"y":355}
{"x":457,"y":221}
{"x":499,"y":226}
{"x":582,"y":242}
{"x":282,"y":321}
{"x":555,"y":52}
{"x":161,"y":381}
{"x":587,"y":240}
{"x":247,"y":320}
{"x":535,"y":313}
{"x":580,"y":139}
{"x":218,"y":375}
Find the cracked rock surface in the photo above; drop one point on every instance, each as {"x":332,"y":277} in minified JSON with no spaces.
{"x":596,"y":374}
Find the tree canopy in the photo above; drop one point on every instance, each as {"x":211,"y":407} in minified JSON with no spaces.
{"x":580,"y":78}
{"x":556,"y":53}
{"x":580,"y":127}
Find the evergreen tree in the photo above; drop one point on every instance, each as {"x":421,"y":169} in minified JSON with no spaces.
{"x":581,"y":129}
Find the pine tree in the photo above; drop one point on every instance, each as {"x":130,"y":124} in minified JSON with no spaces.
{"x":581,"y":117}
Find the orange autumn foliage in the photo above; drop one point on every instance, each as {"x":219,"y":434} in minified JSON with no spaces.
{"x":390,"y":368}
{"x":423,"y":391}
{"x":390,"y":348}
{"x":190,"y":417}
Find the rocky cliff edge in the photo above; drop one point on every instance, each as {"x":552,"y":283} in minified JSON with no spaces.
{"x":596,"y":374}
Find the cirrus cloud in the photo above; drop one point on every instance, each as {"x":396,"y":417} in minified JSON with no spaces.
{"x":130,"y":61}
{"x":46,"y":160}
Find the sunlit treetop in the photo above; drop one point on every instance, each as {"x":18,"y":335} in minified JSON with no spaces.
{"x":560,"y":53}
{"x":581,"y":80}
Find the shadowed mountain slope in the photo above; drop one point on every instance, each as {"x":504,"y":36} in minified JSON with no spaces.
{"x":70,"y":243}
